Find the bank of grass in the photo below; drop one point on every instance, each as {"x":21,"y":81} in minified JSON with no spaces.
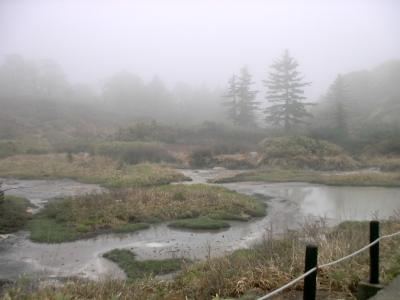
{"x":48,"y":230}
{"x":130,"y":209}
{"x":200,"y":223}
{"x":384,"y":179}
{"x":86,"y":168}
{"x":260,"y":269}
{"x":384,"y":163}
{"x":136,"y":269}
{"x":13,"y":214}
{"x":300,"y":152}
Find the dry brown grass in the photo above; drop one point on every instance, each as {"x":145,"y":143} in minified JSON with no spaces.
{"x":93,"y":169}
{"x":385,"y":163}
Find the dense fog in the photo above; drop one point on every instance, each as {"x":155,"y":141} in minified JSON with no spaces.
{"x":193,"y":149}
{"x":200,"y":42}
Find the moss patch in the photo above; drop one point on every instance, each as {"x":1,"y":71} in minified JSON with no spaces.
{"x":135,"y":269}
{"x":201,"y":223}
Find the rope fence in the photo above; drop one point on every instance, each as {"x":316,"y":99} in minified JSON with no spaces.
{"x":374,"y":263}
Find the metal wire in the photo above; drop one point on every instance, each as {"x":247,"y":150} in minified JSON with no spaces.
{"x":294,"y":281}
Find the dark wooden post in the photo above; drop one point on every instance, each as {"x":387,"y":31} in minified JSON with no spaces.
{"x":310,"y":282}
{"x":374,"y":252}
{"x":2,"y":197}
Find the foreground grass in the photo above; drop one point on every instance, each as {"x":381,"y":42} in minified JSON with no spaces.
{"x":386,"y":179}
{"x":90,"y":169}
{"x":13,"y":214}
{"x":135,"y":269}
{"x":126,"y":210}
{"x":262,"y":268}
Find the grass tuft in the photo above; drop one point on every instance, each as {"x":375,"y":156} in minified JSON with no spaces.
{"x":13,"y":214}
{"x":201,"y":223}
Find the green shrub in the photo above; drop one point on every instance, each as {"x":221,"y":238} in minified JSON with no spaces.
{"x":202,"y":158}
{"x":134,"y":152}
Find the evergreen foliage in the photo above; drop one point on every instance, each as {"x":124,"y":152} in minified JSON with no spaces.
{"x":338,"y":95}
{"x":231,"y":104}
{"x":242,"y":104}
{"x":286,"y":95}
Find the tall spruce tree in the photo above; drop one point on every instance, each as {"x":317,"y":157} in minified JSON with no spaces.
{"x":286,"y":95}
{"x":246,"y":104}
{"x":339,"y":96}
{"x":232,"y":103}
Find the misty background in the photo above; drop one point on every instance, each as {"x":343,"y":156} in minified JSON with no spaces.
{"x":200,"y":42}
{"x":87,"y":68}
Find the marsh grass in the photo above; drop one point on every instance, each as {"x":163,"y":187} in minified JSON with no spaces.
{"x":125,"y":210}
{"x":264,"y":267}
{"x":135,"y":269}
{"x":386,"y":179}
{"x":13,"y":214}
{"x":86,"y":168}
{"x":299,"y":152}
{"x":384,"y":163}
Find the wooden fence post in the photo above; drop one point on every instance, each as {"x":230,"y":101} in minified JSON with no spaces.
{"x":310,"y":281}
{"x":374,"y":252}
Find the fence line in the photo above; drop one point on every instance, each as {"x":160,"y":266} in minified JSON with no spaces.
{"x":294,"y":281}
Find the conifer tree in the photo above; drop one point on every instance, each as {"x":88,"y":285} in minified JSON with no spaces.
{"x":338,"y":95}
{"x":232,"y":103}
{"x":246,"y":105}
{"x":286,"y":95}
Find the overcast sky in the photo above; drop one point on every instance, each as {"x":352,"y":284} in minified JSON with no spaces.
{"x":202,"y":41}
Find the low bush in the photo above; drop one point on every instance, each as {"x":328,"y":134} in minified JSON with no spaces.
{"x":134,"y":152}
{"x":305,"y":152}
{"x":202,"y":158}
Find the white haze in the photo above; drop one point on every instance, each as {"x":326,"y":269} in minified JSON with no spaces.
{"x":201,"y":42}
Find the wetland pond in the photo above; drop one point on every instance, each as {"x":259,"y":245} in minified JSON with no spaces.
{"x":289,"y":205}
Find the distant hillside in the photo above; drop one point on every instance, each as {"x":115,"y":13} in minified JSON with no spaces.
{"x":372,"y":105}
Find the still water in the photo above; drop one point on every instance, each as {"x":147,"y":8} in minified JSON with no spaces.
{"x":289,"y":206}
